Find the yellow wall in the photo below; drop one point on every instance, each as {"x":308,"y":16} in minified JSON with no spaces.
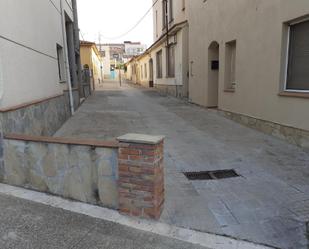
{"x":93,"y":60}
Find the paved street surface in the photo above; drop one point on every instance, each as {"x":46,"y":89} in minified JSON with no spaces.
{"x":28,"y":225}
{"x":269,"y":203}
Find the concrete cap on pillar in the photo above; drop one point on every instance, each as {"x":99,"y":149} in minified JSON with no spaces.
{"x":140,"y":138}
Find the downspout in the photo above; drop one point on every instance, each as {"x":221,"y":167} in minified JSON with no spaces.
{"x":66,"y":59}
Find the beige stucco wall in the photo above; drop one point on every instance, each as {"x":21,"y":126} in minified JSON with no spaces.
{"x":258,"y":28}
{"x":30,"y":72}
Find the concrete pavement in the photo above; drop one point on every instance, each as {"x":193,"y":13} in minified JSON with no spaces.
{"x":28,"y":225}
{"x":269,"y":203}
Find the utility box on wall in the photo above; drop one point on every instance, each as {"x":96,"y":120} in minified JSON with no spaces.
{"x":215,"y":65}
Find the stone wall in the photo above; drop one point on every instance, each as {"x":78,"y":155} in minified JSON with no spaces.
{"x":86,"y":172}
{"x":290,"y":134}
{"x":127,"y":175}
{"x":42,"y":118}
{"x":1,"y":154}
{"x":173,"y":90}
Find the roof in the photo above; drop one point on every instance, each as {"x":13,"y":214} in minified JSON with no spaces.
{"x":92,"y":45}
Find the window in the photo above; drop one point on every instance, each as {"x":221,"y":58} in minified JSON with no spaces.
{"x":159,"y":64}
{"x":60,"y":60}
{"x":157,"y":23}
{"x":297,"y":78}
{"x":171,"y":14}
{"x":164,"y":13}
{"x":142,"y":76}
{"x":230,"y":65}
{"x":171,"y":61}
{"x":145,"y":68}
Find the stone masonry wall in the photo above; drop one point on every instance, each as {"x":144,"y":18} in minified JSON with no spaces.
{"x":43,"y":118}
{"x":1,"y":155}
{"x":292,"y":135}
{"x":175,"y":91}
{"x":80,"y":172}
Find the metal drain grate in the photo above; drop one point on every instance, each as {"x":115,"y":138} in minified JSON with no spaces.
{"x":210,"y":175}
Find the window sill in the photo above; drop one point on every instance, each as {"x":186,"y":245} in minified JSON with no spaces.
{"x":229,"y":90}
{"x":62,"y":81}
{"x":303,"y":95}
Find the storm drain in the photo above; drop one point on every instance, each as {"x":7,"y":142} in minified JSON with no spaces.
{"x":210,"y":175}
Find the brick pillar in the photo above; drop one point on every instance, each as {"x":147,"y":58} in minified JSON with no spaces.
{"x":141,"y":175}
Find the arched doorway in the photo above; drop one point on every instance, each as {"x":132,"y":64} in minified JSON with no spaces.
{"x":150,"y":73}
{"x":213,"y":75}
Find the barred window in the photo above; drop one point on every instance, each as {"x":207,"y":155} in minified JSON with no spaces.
{"x":159,"y":64}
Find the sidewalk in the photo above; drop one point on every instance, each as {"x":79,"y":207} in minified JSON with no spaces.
{"x":268,"y":204}
{"x":28,"y":225}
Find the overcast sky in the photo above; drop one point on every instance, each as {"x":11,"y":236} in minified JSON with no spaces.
{"x":112,"y":18}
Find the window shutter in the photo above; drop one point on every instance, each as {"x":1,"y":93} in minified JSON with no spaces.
{"x":298,"y":64}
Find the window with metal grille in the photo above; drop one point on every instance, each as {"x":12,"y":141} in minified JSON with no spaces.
{"x":164,"y":13}
{"x":171,"y":11}
{"x":60,"y":60}
{"x":171,"y":61}
{"x":230,"y":65}
{"x":298,"y":57}
{"x":159,"y":64}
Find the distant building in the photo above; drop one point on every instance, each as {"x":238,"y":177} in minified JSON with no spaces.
{"x":115,"y":54}
{"x":165,"y":64}
{"x":134,"y":48}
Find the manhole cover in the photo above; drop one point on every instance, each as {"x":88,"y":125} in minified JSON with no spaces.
{"x":210,"y":175}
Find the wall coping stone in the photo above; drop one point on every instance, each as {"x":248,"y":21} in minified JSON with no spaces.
{"x":27,"y":104}
{"x":140,"y":138}
{"x":63,"y":140}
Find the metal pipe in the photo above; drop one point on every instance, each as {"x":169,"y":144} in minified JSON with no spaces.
{"x":66,"y":59}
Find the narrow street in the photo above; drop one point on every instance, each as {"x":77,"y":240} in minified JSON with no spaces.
{"x":268,"y":203}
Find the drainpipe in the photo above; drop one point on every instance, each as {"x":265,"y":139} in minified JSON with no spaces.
{"x":66,"y":59}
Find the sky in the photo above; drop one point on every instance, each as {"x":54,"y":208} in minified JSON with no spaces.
{"x":112,"y":18}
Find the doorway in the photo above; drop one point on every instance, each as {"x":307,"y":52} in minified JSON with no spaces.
{"x":213,"y":75}
{"x":150,"y":73}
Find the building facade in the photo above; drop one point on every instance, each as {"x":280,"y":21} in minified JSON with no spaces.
{"x":133,"y":49}
{"x":246,"y":58}
{"x":91,"y":59}
{"x":165,"y":64}
{"x":251,"y":61}
{"x":39,"y":65}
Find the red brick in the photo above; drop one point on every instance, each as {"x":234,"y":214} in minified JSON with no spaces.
{"x":141,"y":179}
{"x":123,"y":156}
{"x":129,"y":151}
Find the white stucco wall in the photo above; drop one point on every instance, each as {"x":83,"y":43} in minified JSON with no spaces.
{"x":179,"y":15}
{"x":29,"y":32}
{"x":258,"y":28}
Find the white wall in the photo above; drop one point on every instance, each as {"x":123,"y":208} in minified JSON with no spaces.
{"x":30,"y":30}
